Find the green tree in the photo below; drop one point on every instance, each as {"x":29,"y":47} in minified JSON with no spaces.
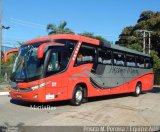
{"x":156,"y":59}
{"x":61,"y":29}
{"x":91,"y":35}
{"x":6,"y":67}
{"x":145,"y":15}
{"x":135,"y":47}
{"x":129,"y":37}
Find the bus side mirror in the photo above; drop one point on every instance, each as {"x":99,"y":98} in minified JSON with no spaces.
{"x":8,"y":52}
{"x":44,"y":47}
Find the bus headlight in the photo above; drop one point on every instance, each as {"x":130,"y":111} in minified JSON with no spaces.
{"x":39,"y":86}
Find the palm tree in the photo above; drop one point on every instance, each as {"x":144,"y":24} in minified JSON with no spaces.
{"x":61,"y":29}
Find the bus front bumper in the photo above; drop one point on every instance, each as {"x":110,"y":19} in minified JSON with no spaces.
{"x":31,"y":96}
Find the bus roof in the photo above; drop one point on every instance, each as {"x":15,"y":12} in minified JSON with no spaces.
{"x":124,"y":49}
{"x":64,"y":36}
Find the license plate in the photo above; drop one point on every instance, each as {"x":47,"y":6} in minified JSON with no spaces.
{"x":19,"y":96}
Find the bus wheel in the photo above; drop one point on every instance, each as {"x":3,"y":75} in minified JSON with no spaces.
{"x":77,"y":96}
{"x":138,"y":89}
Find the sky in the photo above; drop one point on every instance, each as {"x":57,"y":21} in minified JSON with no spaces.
{"x":28,"y":19}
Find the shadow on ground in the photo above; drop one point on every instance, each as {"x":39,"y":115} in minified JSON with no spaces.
{"x":155,"y":90}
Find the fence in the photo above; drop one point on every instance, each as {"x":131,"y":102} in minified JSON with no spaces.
{"x":5,"y":73}
{"x":5,"y":69}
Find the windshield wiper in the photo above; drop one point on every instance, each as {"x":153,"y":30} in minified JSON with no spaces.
{"x":26,"y":58}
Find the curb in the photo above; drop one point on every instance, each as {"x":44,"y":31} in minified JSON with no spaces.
{"x":4,"y":93}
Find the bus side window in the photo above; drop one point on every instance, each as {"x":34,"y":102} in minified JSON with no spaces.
{"x":53,"y":64}
{"x":140,"y":62}
{"x":86,"y":54}
{"x":130,"y":61}
{"x":118,"y":59}
{"x":105,"y":57}
{"x":148,"y":63}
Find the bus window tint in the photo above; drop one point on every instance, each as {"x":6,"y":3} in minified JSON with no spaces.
{"x":86,"y":54}
{"x":54,"y":65}
{"x":130,"y":61}
{"x":105,"y":57}
{"x":148,"y":63}
{"x":140,"y":62}
{"x":118,"y":59}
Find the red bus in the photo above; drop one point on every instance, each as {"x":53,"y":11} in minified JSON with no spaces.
{"x":73,"y":67}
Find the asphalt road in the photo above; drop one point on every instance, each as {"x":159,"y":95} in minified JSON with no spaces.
{"x":108,"y":110}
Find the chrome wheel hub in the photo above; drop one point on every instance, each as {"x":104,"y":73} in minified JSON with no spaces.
{"x":78,"y":95}
{"x":138,"y":90}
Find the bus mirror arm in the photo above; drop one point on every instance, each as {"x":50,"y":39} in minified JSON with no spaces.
{"x":8,"y":52}
{"x":45,"y":46}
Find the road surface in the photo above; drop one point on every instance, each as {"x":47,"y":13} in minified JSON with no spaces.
{"x":121,"y":110}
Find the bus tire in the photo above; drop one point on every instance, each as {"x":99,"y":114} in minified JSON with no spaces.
{"x":85,"y":99}
{"x":138,"y":89}
{"x":78,"y":96}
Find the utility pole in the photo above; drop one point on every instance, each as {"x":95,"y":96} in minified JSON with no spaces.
{"x":149,"y":42}
{"x":1,"y":27}
{"x":0,"y":35}
{"x":145,"y":32}
{"x":144,"y":42}
{"x":0,"y":45}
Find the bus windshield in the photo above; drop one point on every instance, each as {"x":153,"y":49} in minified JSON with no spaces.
{"x":28,"y":67}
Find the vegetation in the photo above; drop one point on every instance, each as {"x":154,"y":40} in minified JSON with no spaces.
{"x":91,"y":35}
{"x":131,"y":38}
{"x":6,"y":67}
{"x":61,"y":29}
